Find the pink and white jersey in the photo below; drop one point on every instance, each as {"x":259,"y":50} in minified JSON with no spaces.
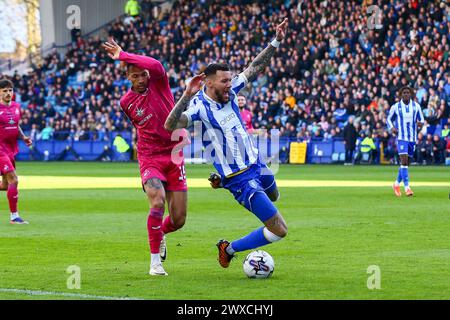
{"x":247,"y":118}
{"x":9,"y":129}
{"x":148,"y":111}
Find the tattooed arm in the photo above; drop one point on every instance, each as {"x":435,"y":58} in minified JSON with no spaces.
{"x":263,"y":59}
{"x":176,"y":119}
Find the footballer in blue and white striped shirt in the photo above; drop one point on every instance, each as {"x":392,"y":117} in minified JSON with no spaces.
{"x":235,"y":157}
{"x":405,"y":119}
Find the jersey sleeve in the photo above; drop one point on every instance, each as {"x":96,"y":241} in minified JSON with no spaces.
{"x":391,"y":117}
{"x":239,"y":83}
{"x":154,"y":67}
{"x":193,"y":112}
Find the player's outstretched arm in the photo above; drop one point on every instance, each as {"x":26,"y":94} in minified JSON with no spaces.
{"x":25,"y":139}
{"x":176,"y":118}
{"x":263,"y":59}
{"x":115,"y":52}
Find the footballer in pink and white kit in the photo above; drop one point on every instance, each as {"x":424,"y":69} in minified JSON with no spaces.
{"x":10,"y":132}
{"x":147,"y":105}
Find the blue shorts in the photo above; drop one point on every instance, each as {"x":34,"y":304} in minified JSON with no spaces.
{"x":258,"y":178}
{"x":406,"y":147}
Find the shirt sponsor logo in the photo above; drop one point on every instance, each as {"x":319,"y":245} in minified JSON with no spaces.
{"x":11,"y":122}
{"x":145,"y":120}
{"x":227,"y":119}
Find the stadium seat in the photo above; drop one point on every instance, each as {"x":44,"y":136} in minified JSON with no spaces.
{"x":335,"y":157}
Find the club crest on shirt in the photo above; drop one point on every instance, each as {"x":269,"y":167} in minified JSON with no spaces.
{"x":139,"y":112}
{"x":11,"y":122}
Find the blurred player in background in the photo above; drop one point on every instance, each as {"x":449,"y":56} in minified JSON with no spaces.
{"x":147,"y":105}
{"x":246,"y":114}
{"x":405,"y":119}
{"x":243,"y":174}
{"x":10,"y":132}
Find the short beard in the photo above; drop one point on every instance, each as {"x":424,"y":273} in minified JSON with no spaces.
{"x":220,"y":97}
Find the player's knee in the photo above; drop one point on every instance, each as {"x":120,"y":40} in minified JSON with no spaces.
{"x":179,"y":222}
{"x":13,"y":180}
{"x":274,"y":196}
{"x":158,"y":202}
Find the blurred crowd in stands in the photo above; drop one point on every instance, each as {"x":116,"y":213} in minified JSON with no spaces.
{"x":333,"y":66}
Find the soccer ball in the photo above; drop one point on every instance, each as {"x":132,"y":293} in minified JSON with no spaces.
{"x":258,"y":265}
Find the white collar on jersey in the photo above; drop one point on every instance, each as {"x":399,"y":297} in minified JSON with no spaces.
{"x":410,"y":104}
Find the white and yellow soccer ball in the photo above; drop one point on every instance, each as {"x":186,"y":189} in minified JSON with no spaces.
{"x":258,"y":265}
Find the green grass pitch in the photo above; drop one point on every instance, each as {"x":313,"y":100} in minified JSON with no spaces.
{"x":335,"y":234}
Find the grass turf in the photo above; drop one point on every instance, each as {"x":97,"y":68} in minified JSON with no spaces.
{"x":335,"y":234}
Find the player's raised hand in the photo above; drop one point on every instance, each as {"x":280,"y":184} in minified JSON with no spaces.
{"x":282,"y":29}
{"x":195,"y":85}
{"x":113,"y":49}
{"x":28,"y":141}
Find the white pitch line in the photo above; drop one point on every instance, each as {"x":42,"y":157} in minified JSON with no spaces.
{"x":63,"y":294}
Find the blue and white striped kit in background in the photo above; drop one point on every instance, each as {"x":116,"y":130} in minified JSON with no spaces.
{"x":405,"y":118}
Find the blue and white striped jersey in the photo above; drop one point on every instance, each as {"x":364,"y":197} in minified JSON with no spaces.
{"x":224,"y":136}
{"x":405,"y":119}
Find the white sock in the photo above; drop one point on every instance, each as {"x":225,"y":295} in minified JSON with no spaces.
{"x":271,"y":237}
{"x":14,"y":215}
{"x":230,"y":250}
{"x":155,"y":259}
{"x":396,"y":183}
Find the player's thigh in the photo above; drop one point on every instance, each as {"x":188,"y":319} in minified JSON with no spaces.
{"x":269,"y":184}
{"x":154,"y":188}
{"x":177,"y":203}
{"x":175,"y":174}
{"x":277,"y":225}
{"x":7,"y":165}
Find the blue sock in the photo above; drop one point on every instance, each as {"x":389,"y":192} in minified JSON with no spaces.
{"x":254,"y":240}
{"x":405,"y":175}
{"x":399,"y":177}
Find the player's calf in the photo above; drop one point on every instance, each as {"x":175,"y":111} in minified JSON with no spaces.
{"x":276,"y":227}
